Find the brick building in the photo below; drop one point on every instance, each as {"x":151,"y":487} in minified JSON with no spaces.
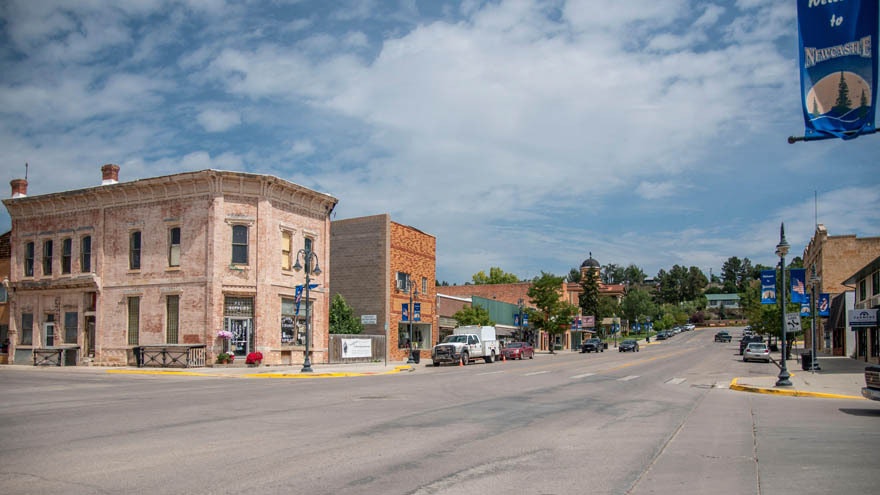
{"x":5,"y":255}
{"x":867,"y":302}
{"x":167,"y":261}
{"x":836,"y":258}
{"x":375,"y":264}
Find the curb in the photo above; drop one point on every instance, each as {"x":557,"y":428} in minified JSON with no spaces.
{"x":734,"y":385}
{"x":334,"y":374}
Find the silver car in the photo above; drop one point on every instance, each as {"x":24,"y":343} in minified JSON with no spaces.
{"x":756,"y":351}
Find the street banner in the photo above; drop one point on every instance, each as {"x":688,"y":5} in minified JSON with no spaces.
{"x":525,"y":319}
{"x":768,"y":286}
{"x":838,"y":64}
{"x":589,"y":321}
{"x":417,"y":311}
{"x":798,"y":285}
{"x":805,"y":307}
{"x":299,"y":294}
{"x":357,"y":348}
{"x":824,"y":304}
{"x":404,"y":312}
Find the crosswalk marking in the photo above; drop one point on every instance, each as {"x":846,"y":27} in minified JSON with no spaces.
{"x":676,"y":381}
{"x":628,"y":378}
{"x":536,"y":373}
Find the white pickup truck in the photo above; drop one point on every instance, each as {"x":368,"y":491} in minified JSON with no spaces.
{"x":466,"y":343}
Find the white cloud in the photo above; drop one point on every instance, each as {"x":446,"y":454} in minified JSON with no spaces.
{"x":214,"y":120}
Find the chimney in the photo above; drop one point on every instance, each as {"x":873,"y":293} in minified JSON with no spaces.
{"x":19,"y":188}
{"x":109,"y":174}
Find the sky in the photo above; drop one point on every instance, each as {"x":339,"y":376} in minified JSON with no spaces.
{"x":522,"y":134}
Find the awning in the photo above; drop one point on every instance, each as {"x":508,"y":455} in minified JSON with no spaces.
{"x":837,"y":313}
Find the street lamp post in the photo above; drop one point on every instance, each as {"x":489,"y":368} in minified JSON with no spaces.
{"x":310,"y":260}
{"x":814,"y":359}
{"x":412,"y":292}
{"x":781,"y":251}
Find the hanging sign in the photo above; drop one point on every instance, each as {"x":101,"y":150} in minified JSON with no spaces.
{"x":768,"y":286}
{"x":838,"y":64}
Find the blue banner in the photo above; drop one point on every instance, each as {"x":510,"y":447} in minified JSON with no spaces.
{"x":417,"y":311}
{"x":299,"y":294}
{"x":805,"y":307}
{"x":798,"y":285}
{"x":838,"y":63}
{"x":768,"y":286}
{"x":824,"y":304}
{"x":404,"y":312}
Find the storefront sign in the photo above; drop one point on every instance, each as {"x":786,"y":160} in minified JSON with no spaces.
{"x":862,"y":317}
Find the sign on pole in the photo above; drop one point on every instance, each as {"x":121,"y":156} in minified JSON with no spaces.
{"x":792,"y":323}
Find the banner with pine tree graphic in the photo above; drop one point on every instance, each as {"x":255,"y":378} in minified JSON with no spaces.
{"x":838,"y":55}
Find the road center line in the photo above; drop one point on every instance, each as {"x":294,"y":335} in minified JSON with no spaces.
{"x":575,"y":377}
{"x":628,"y":378}
{"x":536,"y":373}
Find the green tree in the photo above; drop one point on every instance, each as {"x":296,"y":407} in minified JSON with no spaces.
{"x":574,"y":275}
{"x":496,"y":276}
{"x":552,"y":314}
{"x":695,"y":282}
{"x":342,"y":318}
{"x":736,"y":274}
{"x":588,"y":300}
{"x":613,"y":274}
{"x":637,"y":304}
{"x":473,"y":315}
{"x":633,"y":275}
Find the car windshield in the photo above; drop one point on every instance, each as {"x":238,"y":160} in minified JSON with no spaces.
{"x":515,"y":344}
{"x":455,"y":338}
{"x":630,"y":342}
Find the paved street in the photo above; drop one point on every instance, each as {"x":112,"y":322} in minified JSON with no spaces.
{"x":659,"y":421}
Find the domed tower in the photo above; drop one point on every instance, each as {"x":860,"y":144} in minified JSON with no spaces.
{"x":591,"y":265}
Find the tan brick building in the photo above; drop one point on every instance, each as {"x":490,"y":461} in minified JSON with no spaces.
{"x":374,"y":261}
{"x":167,"y":260}
{"x":836,"y":258}
{"x":5,"y":255}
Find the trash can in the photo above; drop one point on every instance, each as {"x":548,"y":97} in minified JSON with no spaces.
{"x":806,"y":361}
{"x":416,"y":355}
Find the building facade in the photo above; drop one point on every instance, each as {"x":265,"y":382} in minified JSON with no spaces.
{"x":386,"y":272}
{"x":170,"y":260}
{"x":863,"y":316}
{"x":835,"y":258}
{"x":5,"y":255}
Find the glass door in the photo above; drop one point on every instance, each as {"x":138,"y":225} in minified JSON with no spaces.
{"x":242,"y":341}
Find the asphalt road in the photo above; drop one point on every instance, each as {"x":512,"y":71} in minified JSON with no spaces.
{"x":654,"y":422}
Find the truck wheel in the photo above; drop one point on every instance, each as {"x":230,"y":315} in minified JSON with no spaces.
{"x":436,"y":364}
{"x":464,"y":359}
{"x":490,"y":359}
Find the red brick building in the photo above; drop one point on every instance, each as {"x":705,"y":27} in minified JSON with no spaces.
{"x":377,"y":265}
{"x":171,"y":261}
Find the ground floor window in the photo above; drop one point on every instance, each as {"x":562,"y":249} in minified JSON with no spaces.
{"x":875,"y":346}
{"x":71,"y":327}
{"x":134,"y":319}
{"x":421,"y":336}
{"x":27,"y":329}
{"x":172,"y":319}
{"x":293,"y":321}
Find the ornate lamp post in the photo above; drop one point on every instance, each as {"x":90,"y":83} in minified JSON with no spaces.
{"x":814,"y":359}
{"x":310,"y":259}
{"x":781,"y":251}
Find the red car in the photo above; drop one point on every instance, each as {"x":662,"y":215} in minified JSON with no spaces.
{"x":518,"y":350}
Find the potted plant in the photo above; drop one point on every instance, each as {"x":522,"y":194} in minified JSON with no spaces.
{"x":225,"y":358}
{"x":254,"y":359}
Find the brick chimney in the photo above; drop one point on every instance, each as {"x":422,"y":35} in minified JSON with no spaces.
{"x":19,"y":188}
{"x":109,"y":174}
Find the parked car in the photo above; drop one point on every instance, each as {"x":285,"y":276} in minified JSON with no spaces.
{"x":593,"y":345}
{"x":748,"y":339}
{"x":661,"y":336}
{"x":518,"y":350}
{"x":628,"y":346}
{"x":689,"y":327}
{"x":756,"y":351}
{"x":723,"y":336}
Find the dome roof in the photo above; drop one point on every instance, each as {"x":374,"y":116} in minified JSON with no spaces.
{"x":590,"y":263}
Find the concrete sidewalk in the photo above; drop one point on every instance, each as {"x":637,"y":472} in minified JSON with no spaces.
{"x":238,"y":371}
{"x":838,"y":378}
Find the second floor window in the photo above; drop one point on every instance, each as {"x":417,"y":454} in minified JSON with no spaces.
{"x":134,"y":250}
{"x":240,"y":244}
{"x":47,"y":257}
{"x":875,"y":285}
{"x":29,"y":259}
{"x":85,"y":254}
{"x":174,"y":246}
{"x":286,"y":245}
{"x":66,"y":253}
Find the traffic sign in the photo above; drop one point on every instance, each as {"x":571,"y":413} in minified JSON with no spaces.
{"x":792,"y":323}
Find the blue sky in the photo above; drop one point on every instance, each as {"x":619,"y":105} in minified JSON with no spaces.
{"x":522,"y":134}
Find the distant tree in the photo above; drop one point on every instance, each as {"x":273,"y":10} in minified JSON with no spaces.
{"x":442,"y":284}
{"x":473,"y":315}
{"x":736,"y":274}
{"x":637,"y":304}
{"x":496,"y":276}
{"x":574,"y":275}
{"x":342,"y":318}
{"x":552,"y":314}
{"x":633,"y":275}
{"x":613,"y":274}
{"x":694,"y":284}
{"x":588,"y":300}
